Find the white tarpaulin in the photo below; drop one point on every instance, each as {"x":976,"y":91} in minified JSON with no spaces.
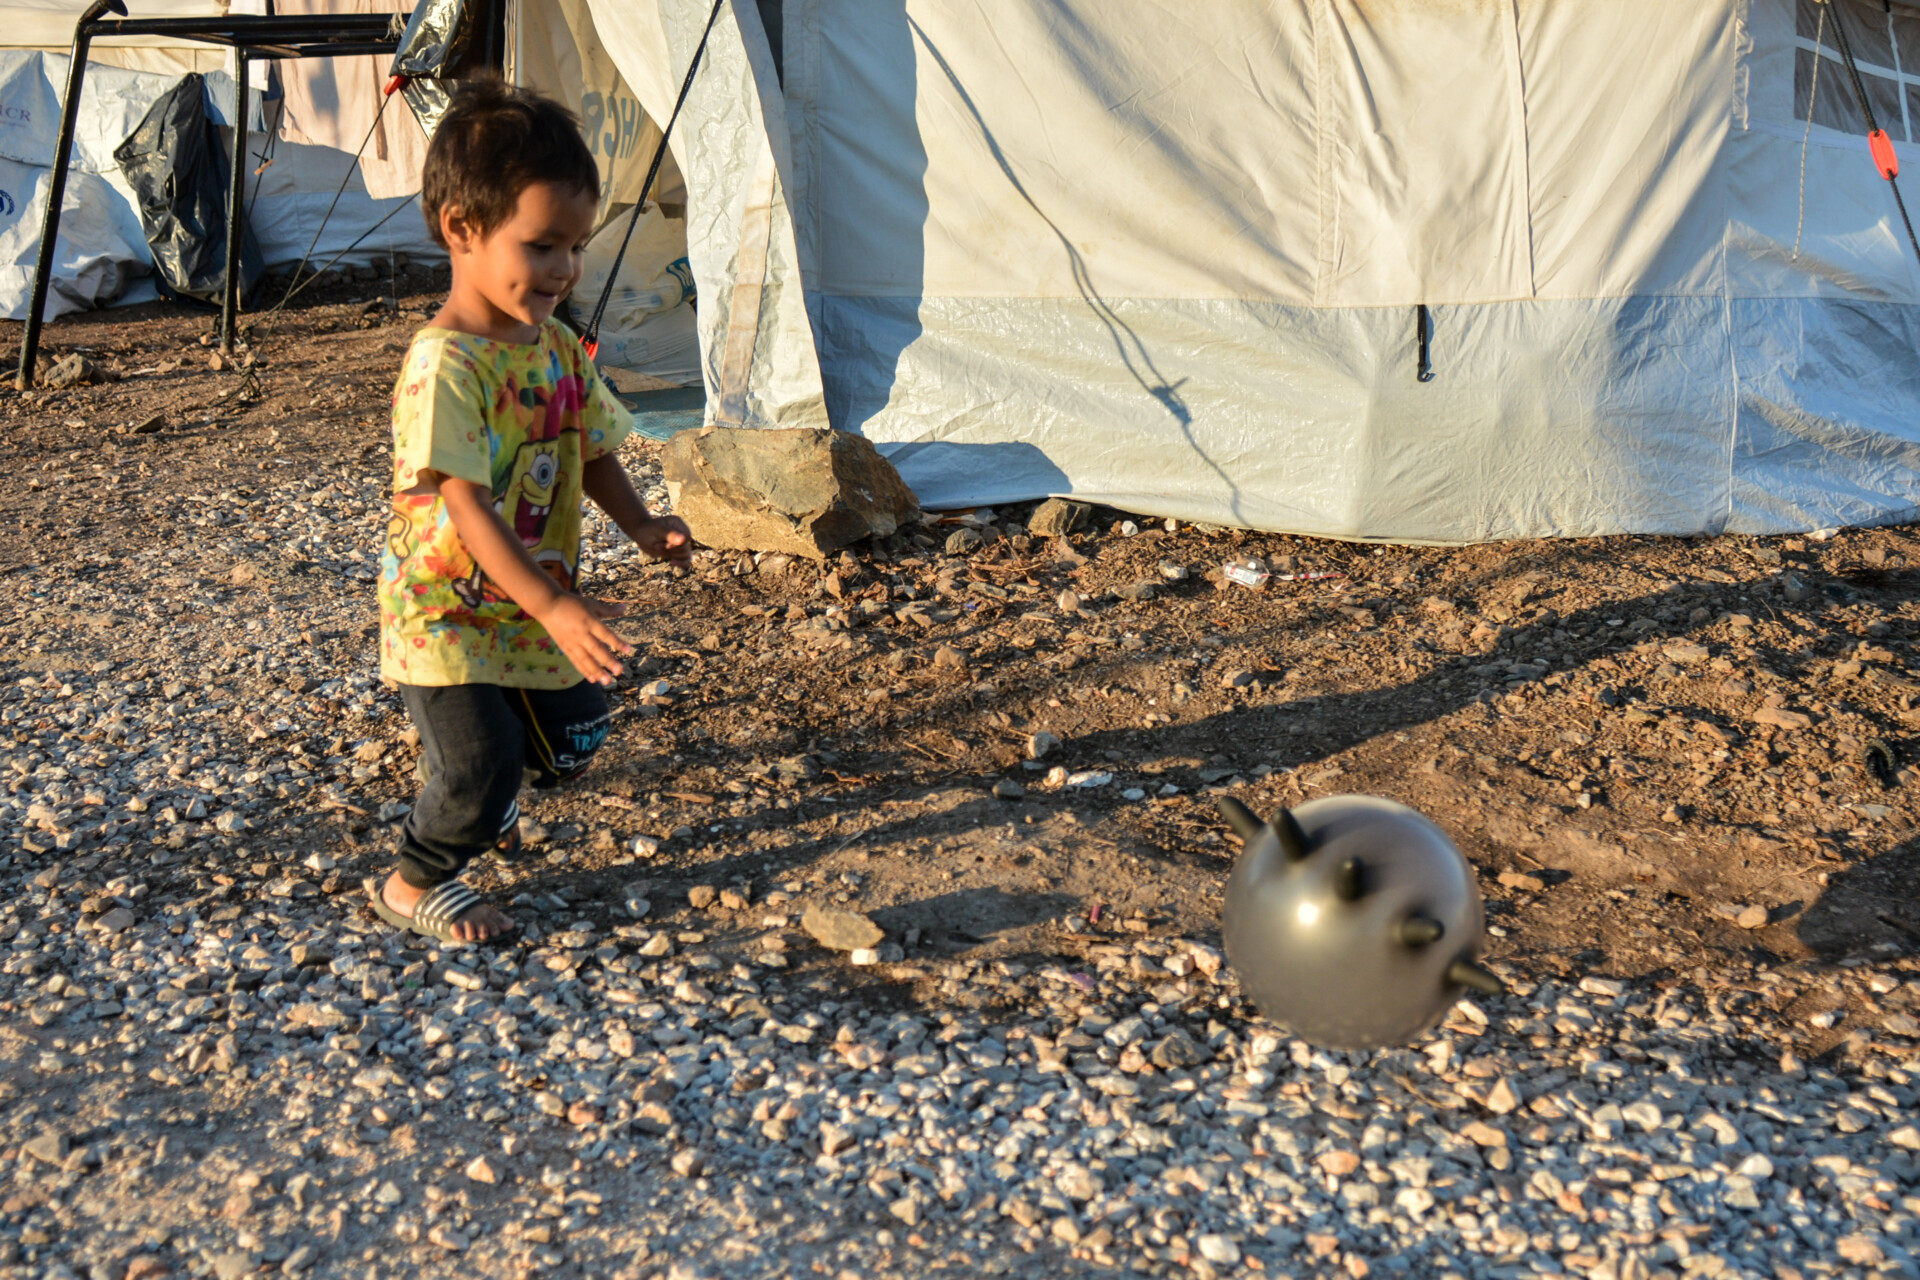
{"x":1168,"y":257}
{"x":101,"y":250}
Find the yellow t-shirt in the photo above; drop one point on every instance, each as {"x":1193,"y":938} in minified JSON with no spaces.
{"x":521,"y":419}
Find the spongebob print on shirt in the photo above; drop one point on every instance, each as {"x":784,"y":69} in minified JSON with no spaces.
{"x":521,"y":419}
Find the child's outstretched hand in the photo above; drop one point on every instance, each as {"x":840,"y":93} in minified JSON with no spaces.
{"x":576,"y":625}
{"x":666,"y":538}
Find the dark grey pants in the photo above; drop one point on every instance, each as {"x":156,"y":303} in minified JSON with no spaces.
{"x":477,"y":742}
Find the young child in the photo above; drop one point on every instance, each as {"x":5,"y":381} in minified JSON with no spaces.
{"x":500,"y":425}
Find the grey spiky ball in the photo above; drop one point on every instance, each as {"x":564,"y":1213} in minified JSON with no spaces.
{"x":1353,"y":921}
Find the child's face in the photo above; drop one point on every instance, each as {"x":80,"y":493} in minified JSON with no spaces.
{"x":517,"y":273}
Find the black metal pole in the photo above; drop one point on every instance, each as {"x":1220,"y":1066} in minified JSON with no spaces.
{"x":57,"y":187}
{"x":236,"y":207}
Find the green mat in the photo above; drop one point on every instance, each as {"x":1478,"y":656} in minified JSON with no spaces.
{"x":661,"y":415}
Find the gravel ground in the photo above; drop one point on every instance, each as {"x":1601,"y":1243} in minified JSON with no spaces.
{"x":1679,"y":767}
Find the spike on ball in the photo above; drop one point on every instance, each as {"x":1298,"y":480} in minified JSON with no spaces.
{"x":1241,"y":819}
{"x":1293,"y":841}
{"x":1420,"y":931}
{"x":1464,"y":972}
{"x":1350,"y":881}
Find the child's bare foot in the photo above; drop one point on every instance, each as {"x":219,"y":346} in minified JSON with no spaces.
{"x":476,"y":924}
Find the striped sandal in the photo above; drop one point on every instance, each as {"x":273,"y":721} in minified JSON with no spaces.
{"x":434,"y":915}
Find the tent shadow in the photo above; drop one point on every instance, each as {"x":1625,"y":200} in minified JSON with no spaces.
{"x":1871,"y":905}
{"x":1012,"y":465}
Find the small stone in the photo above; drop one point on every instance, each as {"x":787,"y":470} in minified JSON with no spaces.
{"x":864,"y":956}
{"x":1753,"y":917}
{"x":72,"y":371}
{"x":447,"y":1238}
{"x":308,"y":956}
{"x":689,"y":1163}
{"x":117,"y":920}
{"x":234,"y":1265}
{"x":702,"y":896}
{"x":840,"y":930}
{"x":645,"y":846}
{"x":1685,"y":653}
{"x":1008,"y":789}
{"x":1337,"y":1163}
{"x":1782,"y":718}
{"x":1077,"y":1182}
{"x":1218,"y":1250}
{"x":144,"y":1266}
{"x":480,"y":1169}
{"x":1906,"y":1136}
{"x":1643,"y":1114}
{"x":1860,"y":1250}
{"x":1522,"y":881}
{"x":50,"y":1147}
{"x":1173,"y":572}
{"x":1503,"y":1097}
{"x":582,"y":1114}
{"x":1145,"y":590}
{"x":1068,"y":601}
{"x":1756,"y":1166}
{"x":298,"y":1261}
{"x":1040,"y":745}
{"x":1609,"y":987}
{"x":963,"y":540}
{"x":1481,"y":1134}
{"x":1056,"y":517}
{"x":1178,"y":1050}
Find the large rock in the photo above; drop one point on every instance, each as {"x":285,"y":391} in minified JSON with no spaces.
{"x":803,"y":491}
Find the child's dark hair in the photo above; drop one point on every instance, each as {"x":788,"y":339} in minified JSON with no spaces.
{"x":495,"y":141}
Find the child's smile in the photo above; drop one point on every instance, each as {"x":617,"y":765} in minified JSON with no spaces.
{"x":508,"y":282}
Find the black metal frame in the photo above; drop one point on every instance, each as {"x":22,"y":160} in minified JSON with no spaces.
{"x":253,"y":38}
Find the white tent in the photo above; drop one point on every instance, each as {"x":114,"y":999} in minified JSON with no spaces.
{"x":1168,"y":256}
{"x":102,"y":256}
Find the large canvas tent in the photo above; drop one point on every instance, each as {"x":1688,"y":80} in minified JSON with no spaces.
{"x":1171,"y":256}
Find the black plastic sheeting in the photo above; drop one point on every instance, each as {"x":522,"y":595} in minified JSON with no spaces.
{"x":173,"y":161}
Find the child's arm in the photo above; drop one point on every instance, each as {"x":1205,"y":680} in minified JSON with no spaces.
{"x":662,"y":537}
{"x":573,"y":621}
